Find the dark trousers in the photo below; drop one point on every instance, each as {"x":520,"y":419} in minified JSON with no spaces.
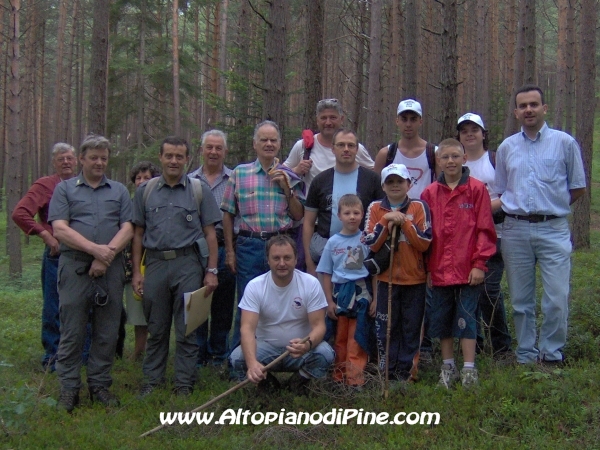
{"x":215,"y":347}
{"x":408,"y":308}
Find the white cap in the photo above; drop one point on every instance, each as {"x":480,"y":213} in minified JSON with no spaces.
{"x":394,"y":169}
{"x":470,"y":117}
{"x":410,"y":105}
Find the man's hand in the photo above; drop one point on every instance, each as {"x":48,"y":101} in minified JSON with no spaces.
{"x":297,"y":348}
{"x":255,"y":373}
{"x":476,"y":276}
{"x":104,"y":254}
{"x":51,"y":242}
{"x":280,"y":177}
{"x":331,"y":311}
{"x":137,"y":282}
{"x":210,"y":283}
{"x":303,"y":167}
{"x":230,"y":261}
{"x":97,"y":269}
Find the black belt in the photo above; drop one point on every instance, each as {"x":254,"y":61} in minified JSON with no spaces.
{"x":170,"y":254}
{"x":533,"y":218}
{"x":264,"y":235}
{"x":78,"y":256}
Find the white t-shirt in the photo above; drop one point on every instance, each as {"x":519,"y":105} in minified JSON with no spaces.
{"x":419,"y":170}
{"x":482,"y":170}
{"x":283,"y":311}
{"x":322,"y":159}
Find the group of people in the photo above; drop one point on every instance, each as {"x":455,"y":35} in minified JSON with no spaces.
{"x":325,"y":210}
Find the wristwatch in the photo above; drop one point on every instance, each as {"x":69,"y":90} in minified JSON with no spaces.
{"x":214,"y":271}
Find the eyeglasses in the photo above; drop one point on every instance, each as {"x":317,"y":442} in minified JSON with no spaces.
{"x":342,"y":145}
{"x":446,"y":158}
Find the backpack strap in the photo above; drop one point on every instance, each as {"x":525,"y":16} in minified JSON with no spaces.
{"x":492,"y":156}
{"x":150,"y":185}
{"x":391,"y":154}
{"x":197,"y":189}
{"x":430,"y":152}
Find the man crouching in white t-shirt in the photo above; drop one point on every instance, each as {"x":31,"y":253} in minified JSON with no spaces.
{"x":279,"y":309}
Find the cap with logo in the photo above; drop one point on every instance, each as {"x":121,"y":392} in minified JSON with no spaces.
{"x":395,"y":169}
{"x":410,"y":105}
{"x":470,"y":117}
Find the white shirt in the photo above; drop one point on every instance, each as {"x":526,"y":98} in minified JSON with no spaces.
{"x":283,"y":311}
{"x":482,"y":170}
{"x":419,"y":170}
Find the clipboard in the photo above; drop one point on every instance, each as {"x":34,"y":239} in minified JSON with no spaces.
{"x":196,"y":309}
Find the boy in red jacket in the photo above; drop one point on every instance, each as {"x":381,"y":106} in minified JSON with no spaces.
{"x":464,"y":238}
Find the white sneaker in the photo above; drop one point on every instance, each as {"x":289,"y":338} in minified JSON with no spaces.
{"x":469,"y":377}
{"x":448,"y":376}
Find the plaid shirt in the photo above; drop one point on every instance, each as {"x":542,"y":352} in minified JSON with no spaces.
{"x":260,"y":204}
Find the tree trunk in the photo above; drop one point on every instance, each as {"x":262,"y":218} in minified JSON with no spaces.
{"x":175,"y":49}
{"x":275,"y":62}
{"x":15,"y":176}
{"x":585,"y":117}
{"x":58,"y":84}
{"x":139,"y":135}
{"x":529,"y":72}
{"x":313,"y":86}
{"x":411,"y":40}
{"x":481,"y":66}
{"x":374,"y":97}
{"x":570,"y":66}
{"x":68,"y":132}
{"x":448,"y":80}
{"x":561,"y":65}
{"x":98,"y":98}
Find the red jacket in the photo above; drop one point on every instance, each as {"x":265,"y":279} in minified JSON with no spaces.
{"x":463,"y":230}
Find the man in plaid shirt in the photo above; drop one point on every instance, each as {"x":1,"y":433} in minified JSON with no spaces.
{"x":267,"y":198}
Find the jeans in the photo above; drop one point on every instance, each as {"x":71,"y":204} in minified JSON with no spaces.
{"x":313,"y":364}
{"x":251,"y":261}
{"x":491,"y":305}
{"x":454,"y":311}
{"x":215,"y":348}
{"x":549,"y":245}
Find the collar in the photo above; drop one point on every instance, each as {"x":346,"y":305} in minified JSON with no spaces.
{"x":257,"y":166}
{"x":198,"y":173}
{"x":182,"y":181}
{"x":538,"y":135}
{"x":385,"y":204}
{"x":463,"y":178}
{"x":81,"y":181}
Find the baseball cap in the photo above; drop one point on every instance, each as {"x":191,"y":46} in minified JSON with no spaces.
{"x":394,"y":169}
{"x":470,"y":117}
{"x":410,"y":105}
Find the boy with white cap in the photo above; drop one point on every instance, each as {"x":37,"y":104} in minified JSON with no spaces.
{"x":408,"y":270}
{"x":411,"y":150}
{"x":482,"y":165}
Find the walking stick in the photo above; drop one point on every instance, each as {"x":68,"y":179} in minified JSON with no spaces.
{"x":231,"y":390}
{"x":389,"y":315}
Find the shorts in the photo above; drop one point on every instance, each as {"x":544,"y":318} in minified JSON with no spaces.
{"x":454,"y":311}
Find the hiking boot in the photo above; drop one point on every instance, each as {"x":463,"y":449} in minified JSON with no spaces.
{"x":146,"y":390}
{"x":68,"y":400}
{"x":469,"y":377}
{"x":183,"y":391}
{"x":103,"y":395}
{"x":268,"y":385}
{"x":298,"y":384}
{"x":448,"y":376}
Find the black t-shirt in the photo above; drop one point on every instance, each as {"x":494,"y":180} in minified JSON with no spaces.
{"x":368,"y":190}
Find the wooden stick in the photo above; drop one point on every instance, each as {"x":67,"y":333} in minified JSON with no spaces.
{"x":389,"y":315}
{"x":231,"y":390}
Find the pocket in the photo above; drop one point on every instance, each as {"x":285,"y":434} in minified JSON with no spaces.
{"x":249,"y":204}
{"x":550,"y":170}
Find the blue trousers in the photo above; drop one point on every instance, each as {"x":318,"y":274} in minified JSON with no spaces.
{"x":547,"y":244}
{"x":215,"y":347}
{"x":251,"y":261}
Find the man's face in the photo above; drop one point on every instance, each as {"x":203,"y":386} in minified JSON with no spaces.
{"x":396,"y":188}
{"x":173,"y":160}
{"x":409,"y":123}
{"x":451,"y":160}
{"x":345,"y":149}
{"x":530,"y":111}
{"x":267,"y":143}
{"x":213,"y":152}
{"x":142,"y":176}
{"x":329,"y":121}
{"x":282,"y":261}
{"x":93,"y":163}
{"x":65,"y":164}
{"x":471,"y":136}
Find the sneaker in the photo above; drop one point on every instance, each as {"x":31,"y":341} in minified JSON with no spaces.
{"x":469,"y":377}
{"x":448,"y":376}
{"x":183,"y":391}
{"x":298,"y":384}
{"x":68,"y":400}
{"x":103,"y":395}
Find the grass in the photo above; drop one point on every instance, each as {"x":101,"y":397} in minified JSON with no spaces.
{"x":514,"y":407}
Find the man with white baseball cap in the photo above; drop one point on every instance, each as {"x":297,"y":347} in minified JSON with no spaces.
{"x":411,"y":150}
{"x":481,"y":162}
